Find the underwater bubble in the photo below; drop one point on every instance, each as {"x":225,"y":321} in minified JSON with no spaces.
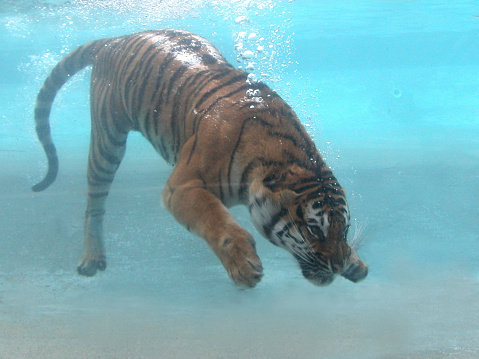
{"x":250,"y":66}
{"x":251,"y":79}
{"x":252,"y":36}
{"x":397,"y":93}
{"x":241,"y":36}
{"x":253,"y":93}
{"x":241,"y":20}
{"x":238,"y":46}
{"x":260,"y":48}
{"x":247,"y":55}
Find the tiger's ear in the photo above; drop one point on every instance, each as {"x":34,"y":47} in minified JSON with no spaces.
{"x":272,"y":181}
{"x":286,"y":197}
{"x":269,"y":188}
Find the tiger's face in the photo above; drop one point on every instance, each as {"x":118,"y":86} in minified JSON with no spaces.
{"x":310,"y":219}
{"x":323,"y":228}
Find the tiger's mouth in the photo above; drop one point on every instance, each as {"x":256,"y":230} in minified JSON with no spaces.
{"x":354,"y":271}
{"x":316,"y":273}
{"x":320,"y":280}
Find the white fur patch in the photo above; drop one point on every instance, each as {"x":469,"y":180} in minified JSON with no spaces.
{"x":319,"y":218}
{"x":324,"y":226}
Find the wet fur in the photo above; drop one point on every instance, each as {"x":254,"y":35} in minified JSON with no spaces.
{"x":230,"y":141}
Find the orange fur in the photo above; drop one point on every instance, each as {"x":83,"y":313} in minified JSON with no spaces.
{"x":228,"y":146}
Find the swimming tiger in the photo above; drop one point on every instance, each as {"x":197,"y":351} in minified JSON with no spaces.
{"x":231,"y":141}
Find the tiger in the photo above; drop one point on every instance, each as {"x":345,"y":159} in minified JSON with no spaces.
{"x":232,"y":141}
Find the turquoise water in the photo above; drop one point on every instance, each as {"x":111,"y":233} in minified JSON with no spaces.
{"x":388,"y":89}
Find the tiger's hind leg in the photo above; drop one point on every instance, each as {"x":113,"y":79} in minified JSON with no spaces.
{"x":107,"y":148}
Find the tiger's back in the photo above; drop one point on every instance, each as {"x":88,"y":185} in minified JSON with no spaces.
{"x":174,"y":86}
{"x":157,"y":81}
{"x":229,"y":138}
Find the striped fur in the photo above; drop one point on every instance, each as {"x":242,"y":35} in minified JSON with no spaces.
{"x":231,"y":142}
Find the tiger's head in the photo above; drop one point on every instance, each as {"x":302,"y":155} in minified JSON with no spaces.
{"x":305,"y":212}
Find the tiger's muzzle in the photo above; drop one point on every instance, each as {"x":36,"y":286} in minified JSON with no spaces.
{"x":353,"y":269}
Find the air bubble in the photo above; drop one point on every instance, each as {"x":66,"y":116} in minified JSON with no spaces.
{"x":247,"y":55}
{"x":250,"y":66}
{"x":241,"y":36}
{"x":253,"y":93}
{"x":241,"y":20}
{"x":251,"y":79}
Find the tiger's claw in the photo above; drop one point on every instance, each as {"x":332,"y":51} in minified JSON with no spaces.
{"x":243,"y":264}
{"x":89,"y":266}
{"x":247,"y":274}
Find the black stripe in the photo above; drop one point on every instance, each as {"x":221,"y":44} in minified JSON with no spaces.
{"x":147,"y":124}
{"x":96,"y":180}
{"x":95,"y":212}
{"x":97,"y":194}
{"x":205,"y":78}
{"x":99,"y":168}
{"x":114,"y":110}
{"x":243,"y":191}
{"x":299,"y":212}
{"x":235,"y":148}
{"x":306,"y":187}
{"x":177,"y":100}
{"x":274,"y":220}
{"x":220,"y":184}
{"x":285,"y":229}
{"x":133,"y":64}
{"x":147,"y":76}
{"x":197,"y":120}
{"x":236,"y":79}
{"x":283,"y":136}
{"x":158,"y":96}
{"x":104,"y":122}
{"x":105,"y":154}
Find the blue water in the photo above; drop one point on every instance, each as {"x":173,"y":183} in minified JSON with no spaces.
{"x":388,"y":89}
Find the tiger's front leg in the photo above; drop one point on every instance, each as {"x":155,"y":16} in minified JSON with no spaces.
{"x":203,"y":213}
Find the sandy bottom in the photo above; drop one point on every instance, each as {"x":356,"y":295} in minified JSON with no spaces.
{"x":164,"y":294}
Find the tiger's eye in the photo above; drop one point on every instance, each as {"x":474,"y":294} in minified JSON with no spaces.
{"x":316,"y":232}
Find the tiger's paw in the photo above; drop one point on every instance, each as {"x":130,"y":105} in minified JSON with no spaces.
{"x":243,"y":264}
{"x":89,"y":265}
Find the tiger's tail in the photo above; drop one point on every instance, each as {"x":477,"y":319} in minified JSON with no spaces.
{"x":61,"y":73}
